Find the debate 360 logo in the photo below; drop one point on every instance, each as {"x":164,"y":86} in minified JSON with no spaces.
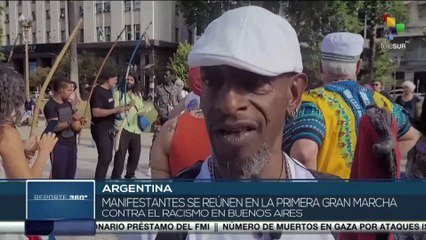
{"x":394,"y":28}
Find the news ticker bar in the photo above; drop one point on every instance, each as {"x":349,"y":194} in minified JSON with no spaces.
{"x":236,"y":227}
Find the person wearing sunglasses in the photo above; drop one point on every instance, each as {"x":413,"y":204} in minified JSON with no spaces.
{"x":378,"y":86}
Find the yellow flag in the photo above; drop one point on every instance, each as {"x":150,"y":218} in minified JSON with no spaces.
{"x":390,"y":22}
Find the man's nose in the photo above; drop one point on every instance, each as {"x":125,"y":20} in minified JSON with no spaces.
{"x":230,"y":100}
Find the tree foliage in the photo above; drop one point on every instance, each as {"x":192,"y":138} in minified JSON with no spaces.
{"x":178,"y":63}
{"x":38,"y":76}
{"x":88,"y":65}
{"x":374,"y":12}
{"x":159,"y":70}
{"x":385,"y":66}
{"x":201,"y":13}
{"x":312,"y":20}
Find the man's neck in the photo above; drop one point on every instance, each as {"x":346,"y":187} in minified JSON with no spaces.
{"x":331,"y":79}
{"x":105,"y":86}
{"x":58,"y":98}
{"x":275,"y":168}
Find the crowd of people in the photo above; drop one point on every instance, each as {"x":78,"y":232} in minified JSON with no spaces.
{"x":320,"y":127}
{"x":247,"y":115}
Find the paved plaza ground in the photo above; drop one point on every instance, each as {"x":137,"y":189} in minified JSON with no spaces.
{"x":88,"y":155}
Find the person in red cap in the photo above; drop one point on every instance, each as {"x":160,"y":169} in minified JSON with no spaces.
{"x":174,"y":148}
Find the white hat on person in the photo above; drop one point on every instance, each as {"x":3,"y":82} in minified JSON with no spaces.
{"x":342,"y":47}
{"x":249,"y":38}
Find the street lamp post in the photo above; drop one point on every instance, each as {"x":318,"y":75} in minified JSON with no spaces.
{"x":25,"y":26}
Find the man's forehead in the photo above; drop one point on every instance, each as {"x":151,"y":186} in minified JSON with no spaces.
{"x":225,"y":70}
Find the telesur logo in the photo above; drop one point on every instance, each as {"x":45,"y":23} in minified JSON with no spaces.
{"x":393,"y":28}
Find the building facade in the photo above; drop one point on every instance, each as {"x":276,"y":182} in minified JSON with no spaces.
{"x":413,"y":53}
{"x":103,"y":21}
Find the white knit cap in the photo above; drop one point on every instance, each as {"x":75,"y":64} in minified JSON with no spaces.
{"x":342,"y":47}
{"x":252,"y":39}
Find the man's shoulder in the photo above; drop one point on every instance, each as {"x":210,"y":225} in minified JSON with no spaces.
{"x":170,"y":126}
{"x":190,"y":172}
{"x":100,"y":90}
{"x":315,"y":95}
{"x":50,"y":103}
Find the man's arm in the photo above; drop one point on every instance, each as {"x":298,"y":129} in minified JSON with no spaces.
{"x":407,"y":135}
{"x":97,"y":105}
{"x":177,"y":110}
{"x":306,"y":152}
{"x":159,"y":97}
{"x":407,"y":141}
{"x":160,"y":168}
{"x":304,"y":134}
{"x":99,"y":112}
{"x":175,"y":96}
{"x":51,"y":114}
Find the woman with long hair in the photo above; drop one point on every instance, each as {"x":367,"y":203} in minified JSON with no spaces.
{"x":15,"y":154}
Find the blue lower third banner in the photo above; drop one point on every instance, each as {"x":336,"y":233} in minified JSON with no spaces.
{"x":260,"y":201}
{"x":60,"y":207}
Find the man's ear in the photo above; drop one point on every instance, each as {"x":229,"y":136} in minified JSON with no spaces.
{"x":297,"y":88}
{"x":358,"y":66}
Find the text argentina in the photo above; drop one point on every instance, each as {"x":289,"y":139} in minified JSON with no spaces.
{"x":136,"y":188}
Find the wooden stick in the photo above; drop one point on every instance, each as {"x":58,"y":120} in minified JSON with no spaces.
{"x":86,"y":108}
{"x":13,"y":48}
{"x":52,"y":71}
{"x":132,"y":58}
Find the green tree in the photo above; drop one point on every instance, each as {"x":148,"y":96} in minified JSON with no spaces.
{"x":374,"y":11}
{"x":201,"y":13}
{"x":384,"y":65}
{"x":313,"y":20}
{"x":88,"y":65}
{"x":159,"y":70}
{"x":38,"y":76}
{"x":178,"y":63}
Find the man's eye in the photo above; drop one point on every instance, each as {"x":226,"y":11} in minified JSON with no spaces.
{"x":206,"y":81}
{"x":258,"y":85}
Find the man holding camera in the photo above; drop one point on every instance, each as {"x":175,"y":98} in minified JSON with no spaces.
{"x":58,"y":108}
{"x":103,"y":117}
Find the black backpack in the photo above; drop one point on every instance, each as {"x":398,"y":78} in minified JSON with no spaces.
{"x":192,"y":172}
